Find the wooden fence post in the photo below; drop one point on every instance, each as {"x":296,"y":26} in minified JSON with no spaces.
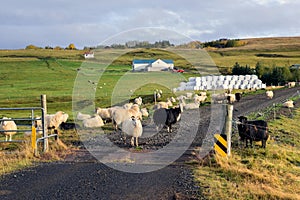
{"x":44,"y":113}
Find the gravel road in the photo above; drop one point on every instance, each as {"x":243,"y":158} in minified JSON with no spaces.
{"x":81,"y":176}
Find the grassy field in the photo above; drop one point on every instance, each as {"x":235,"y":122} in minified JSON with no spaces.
{"x":26,"y":74}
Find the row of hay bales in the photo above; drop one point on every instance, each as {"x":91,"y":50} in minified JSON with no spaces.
{"x":222,"y":82}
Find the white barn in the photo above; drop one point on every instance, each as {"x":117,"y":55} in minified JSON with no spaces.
{"x":152,"y":65}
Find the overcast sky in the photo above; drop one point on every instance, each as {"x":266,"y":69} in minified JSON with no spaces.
{"x":89,"y":23}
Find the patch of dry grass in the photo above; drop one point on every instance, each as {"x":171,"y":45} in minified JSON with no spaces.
{"x":271,"y":173}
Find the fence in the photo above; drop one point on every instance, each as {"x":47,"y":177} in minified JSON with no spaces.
{"x":31,"y":120}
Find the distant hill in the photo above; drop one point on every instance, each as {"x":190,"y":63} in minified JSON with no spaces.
{"x":271,"y":44}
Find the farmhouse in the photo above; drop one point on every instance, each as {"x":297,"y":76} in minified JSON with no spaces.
{"x":88,"y":55}
{"x":152,"y":65}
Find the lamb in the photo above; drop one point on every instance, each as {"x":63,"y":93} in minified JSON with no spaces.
{"x":138,"y":101}
{"x":269,"y":94}
{"x":93,"y":122}
{"x":288,"y":104}
{"x":8,"y":128}
{"x":133,"y":127}
{"x":81,"y":116}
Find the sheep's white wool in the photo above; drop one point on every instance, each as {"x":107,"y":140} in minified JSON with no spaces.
{"x":93,"y":122}
{"x":133,"y":127}
{"x":8,"y":126}
{"x":81,"y":116}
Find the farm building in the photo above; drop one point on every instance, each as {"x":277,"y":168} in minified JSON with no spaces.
{"x":88,"y":55}
{"x":152,"y":65}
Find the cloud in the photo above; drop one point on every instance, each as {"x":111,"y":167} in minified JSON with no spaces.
{"x":84,"y":23}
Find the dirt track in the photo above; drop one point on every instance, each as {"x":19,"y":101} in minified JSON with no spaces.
{"x":83,"y":177}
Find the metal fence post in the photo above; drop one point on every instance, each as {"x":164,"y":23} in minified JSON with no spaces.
{"x":44,"y":113}
{"x":228,"y":128}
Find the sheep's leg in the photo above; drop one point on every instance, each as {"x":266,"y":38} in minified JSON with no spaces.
{"x":132,"y":141}
{"x":6,"y":137}
{"x":10,"y":137}
{"x":136,"y":141}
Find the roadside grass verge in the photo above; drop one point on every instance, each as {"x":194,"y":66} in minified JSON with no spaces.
{"x":271,"y":173}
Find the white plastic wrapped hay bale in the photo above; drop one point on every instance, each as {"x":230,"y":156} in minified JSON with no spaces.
{"x":182,"y":84}
{"x":236,"y":87}
{"x":247,"y":77}
{"x":235,"y":77}
{"x":241,"y":77}
{"x":253,"y":76}
{"x":221,"y":78}
{"x":192,"y":79}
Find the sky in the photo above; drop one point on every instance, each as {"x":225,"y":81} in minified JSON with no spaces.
{"x":93,"y":22}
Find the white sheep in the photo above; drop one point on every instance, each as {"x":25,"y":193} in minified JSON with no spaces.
{"x":127,"y":105}
{"x":288,"y":104}
{"x":54,"y":120}
{"x":291,"y":84}
{"x":134,"y":128}
{"x":81,"y":116}
{"x":230,"y":98}
{"x":181,"y":97}
{"x":219,"y":98}
{"x":189,"y":95}
{"x":162,"y":104}
{"x":138,"y":101}
{"x":104,"y":113}
{"x":144,"y":112}
{"x":93,"y":122}
{"x":173,"y":100}
{"x":199,"y":99}
{"x":189,"y":106}
{"x":202,"y":94}
{"x":8,"y":128}
{"x":119,"y":116}
{"x":269,"y":94}
{"x":65,"y":117}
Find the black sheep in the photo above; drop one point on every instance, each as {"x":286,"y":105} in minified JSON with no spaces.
{"x":238,"y":96}
{"x":166,"y":117}
{"x":256,"y":130}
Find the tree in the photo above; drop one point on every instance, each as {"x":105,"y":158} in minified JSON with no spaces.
{"x":31,"y":46}
{"x":71,"y":46}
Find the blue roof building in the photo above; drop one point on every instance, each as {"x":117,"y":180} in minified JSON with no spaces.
{"x":152,"y":65}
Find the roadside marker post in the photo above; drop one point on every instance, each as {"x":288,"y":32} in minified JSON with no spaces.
{"x":223,"y":141}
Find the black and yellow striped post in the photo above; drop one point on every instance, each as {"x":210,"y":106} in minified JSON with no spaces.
{"x":220,"y":145}
{"x":223,"y":141}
